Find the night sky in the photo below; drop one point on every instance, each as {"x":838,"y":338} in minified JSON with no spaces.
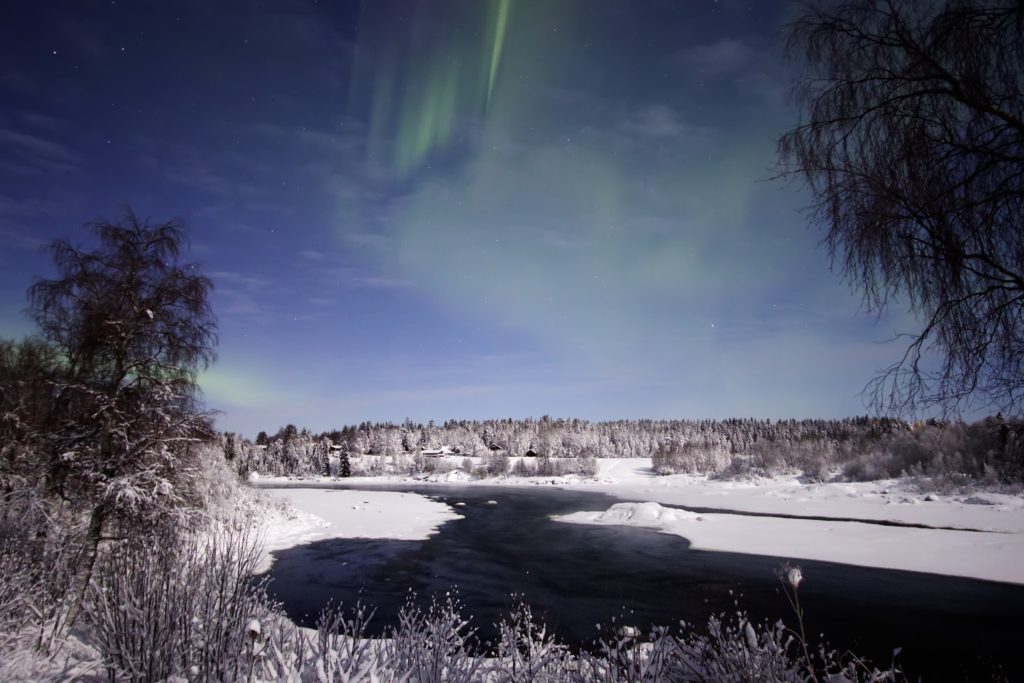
{"x":446,"y":209}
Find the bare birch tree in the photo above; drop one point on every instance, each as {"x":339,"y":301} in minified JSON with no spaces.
{"x":132,"y":326}
{"x":912,"y":144}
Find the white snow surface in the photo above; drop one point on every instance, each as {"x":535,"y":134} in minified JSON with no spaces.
{"x":318,"y":514}
{"x":995,"y":553}
{"x":993,"y":556}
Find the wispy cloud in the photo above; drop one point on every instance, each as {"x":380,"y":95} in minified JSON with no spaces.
{"x":240,"y":294}
{"x":22,"y":219}
{"x":366,"y":239}
{"x":469,"y":390}
{"x":345,"y":138}
{"x":753,"y":69}
{"x":383,"y":282}
{"x":236,"y":279}
{"x":27,"y":206}
{"x":723,"y":56}
{"x":44,"y":121}
{"x":36,"y":146}
{"x":557,"y":240}
{"x":204,"y":177}
{"x":29,"y":154}
{"x":661,"y":121}
{"x":349,"y":276}
{"x":16,"y":239}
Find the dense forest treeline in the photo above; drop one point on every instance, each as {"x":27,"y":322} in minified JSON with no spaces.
{"x":858,"y":448}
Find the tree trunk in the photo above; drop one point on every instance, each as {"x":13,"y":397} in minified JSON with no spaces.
{"x":84,"y":566}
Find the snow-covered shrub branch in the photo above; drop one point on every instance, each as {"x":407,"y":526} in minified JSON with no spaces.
{"x":172,"y":604}
{"x":439,"y":644}
{"x":21,"y":586}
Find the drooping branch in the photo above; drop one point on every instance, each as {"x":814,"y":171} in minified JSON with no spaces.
{"x":912,"y":145}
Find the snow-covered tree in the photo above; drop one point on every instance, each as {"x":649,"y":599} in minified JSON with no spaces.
{"x":131,"y":326}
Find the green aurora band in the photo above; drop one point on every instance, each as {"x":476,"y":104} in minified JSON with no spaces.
{"x":421,"y":74}
{"x":534,"y":196}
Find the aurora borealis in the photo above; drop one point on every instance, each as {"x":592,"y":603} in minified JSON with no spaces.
{"x":447,"y":208}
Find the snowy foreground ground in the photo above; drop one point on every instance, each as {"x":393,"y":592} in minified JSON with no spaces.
{"x":986,"y":540}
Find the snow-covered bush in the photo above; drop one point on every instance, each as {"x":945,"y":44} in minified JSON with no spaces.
{"x":817,"y":468}
{"x":434,"y":645}
{"x":496,"y":463}
{"x":526,"y":651}
{"x":368,"y":466}
{"x":20,"y":585}
{"x":219,"y":495}
{"x":223,"y":632}
{"x":432,"y":465}
{"x":522,"y":468}
{"x":702,"y":455}
{"x":554,"y":467}
{"x":178,"y":604}
{"x":37,"y":563}
{"x":738,"y":650}
{"x":943,"y":456}
{"x":341,"y":650}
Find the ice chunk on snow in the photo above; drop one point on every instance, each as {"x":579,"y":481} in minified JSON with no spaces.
{"x":642,"y":514}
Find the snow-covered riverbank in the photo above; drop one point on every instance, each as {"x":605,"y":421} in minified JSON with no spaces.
{"x":319,"y":514}
{"x":995,"y":551}
{"x":993,"y":556}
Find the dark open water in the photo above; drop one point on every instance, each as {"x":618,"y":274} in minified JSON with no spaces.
{"x":577,"y":576}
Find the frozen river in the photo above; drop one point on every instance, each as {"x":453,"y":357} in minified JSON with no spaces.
{"x":577,"y":576}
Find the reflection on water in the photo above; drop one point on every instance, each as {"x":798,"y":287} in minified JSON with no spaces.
{"x":577,"y":576}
